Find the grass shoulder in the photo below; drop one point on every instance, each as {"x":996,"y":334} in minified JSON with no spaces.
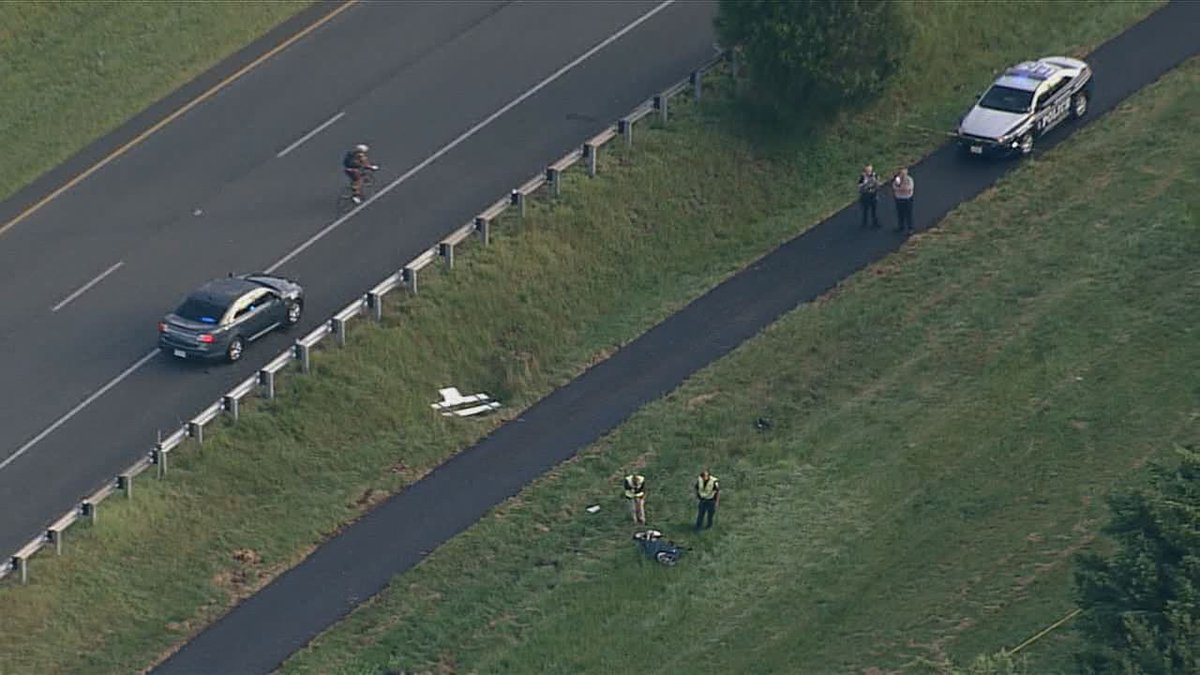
{"x":945,"y":428}
{"x":73,"y":72}
{"x":689,"y":205}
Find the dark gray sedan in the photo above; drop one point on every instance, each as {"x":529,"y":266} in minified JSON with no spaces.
{"x":218,"y":320}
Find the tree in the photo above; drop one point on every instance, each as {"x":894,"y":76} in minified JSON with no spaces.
{"x":814,"y":55}
{"x":1141,"y":606}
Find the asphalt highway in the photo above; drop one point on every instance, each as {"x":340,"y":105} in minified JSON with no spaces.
{"x":265,"y":629}
{"x":84,"y":279}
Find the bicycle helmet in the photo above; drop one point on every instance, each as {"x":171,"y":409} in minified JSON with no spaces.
{"x":361,"y":147}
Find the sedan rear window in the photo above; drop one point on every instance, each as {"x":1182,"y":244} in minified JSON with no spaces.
{"x":199,"y":309}
{"x":1007,"y":99}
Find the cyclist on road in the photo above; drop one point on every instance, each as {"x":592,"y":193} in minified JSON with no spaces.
{"x":356,"y":164}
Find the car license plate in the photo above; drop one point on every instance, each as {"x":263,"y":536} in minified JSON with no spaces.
{"x":977,"y":149}
{"x":180,"y":353}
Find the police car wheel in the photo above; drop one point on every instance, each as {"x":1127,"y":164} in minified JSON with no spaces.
{"x":1079,"y":105}
{"x":1027,"y":144}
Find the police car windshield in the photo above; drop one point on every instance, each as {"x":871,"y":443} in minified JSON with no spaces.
{"x":1007,"y":99}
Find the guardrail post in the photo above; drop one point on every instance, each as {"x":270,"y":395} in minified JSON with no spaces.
{"x":517,"y":199}
{"x":196,"y":430}
{"x":554,"y":178}
{"x":660,"y":104}
{"x":55,"y":537}
{"x":21,"y":565}
{"x":87,"y":509}
{"x":266,"y":380}
{"x":125,"y":484}
{"x":160,"y":459}
{"x":302,"y":355}
{"x":697,"y":80}
{"x":410,"y":279}
{"x":591,"y":152}
{"x":375,"y":302}
{"x":339,"y":331}
{"x":484,"y":229}
{"x":230,"y":404}
{"x":446,"y":251}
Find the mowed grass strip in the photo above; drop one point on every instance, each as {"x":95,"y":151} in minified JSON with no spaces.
{"x":690,"y":204}
{"x":945,"y":426}
{"x":74,"y":71}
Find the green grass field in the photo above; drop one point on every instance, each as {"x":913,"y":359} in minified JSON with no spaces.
{"x":72,"y":72}
{"x":945,"y":427}
{"x":689,"y":205}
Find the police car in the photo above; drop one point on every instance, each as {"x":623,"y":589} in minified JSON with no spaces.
{"x":1026,"y":101}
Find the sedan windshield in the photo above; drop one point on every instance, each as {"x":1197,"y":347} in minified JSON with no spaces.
{"x":199,"y":309}
{"x":1007,"y":99}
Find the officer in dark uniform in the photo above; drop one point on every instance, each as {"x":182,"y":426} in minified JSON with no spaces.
{"x":868,"y":189}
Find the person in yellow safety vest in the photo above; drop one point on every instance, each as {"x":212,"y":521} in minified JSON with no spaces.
{"x":708,"y":494}
{"x":635,"y":492}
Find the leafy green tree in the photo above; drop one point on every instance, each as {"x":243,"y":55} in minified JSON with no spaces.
{"x":1141,"y":605}
{"x":814,"y":55}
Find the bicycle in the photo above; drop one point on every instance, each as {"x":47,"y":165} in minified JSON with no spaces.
{"x":345,"y":200}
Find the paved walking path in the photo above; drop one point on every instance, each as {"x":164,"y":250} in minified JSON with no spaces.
{"x":265,"y":629}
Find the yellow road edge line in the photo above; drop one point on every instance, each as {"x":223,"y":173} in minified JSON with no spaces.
{"x":175,"y":115}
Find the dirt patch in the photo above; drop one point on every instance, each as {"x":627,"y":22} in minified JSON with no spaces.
{"x":447,"y":664}
{"x":370,"y":498}
{"x":696,"y":401}
{"x":503,"y":618}
{"x":247,"y":556}
{"x":599,"y":357}
{"x":635,"y":464}
{"x":1085,"y":534}
{"x":1142,"y":459}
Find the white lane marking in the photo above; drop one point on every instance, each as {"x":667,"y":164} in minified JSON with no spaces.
{"x":310,"y":134}
{"x":469,"y":133}
{"x":432,"y":158}
{"x":75,"y":411}
{"x":86,"y":286}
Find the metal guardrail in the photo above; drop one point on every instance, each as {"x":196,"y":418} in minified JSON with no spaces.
{"x":370,"y":303}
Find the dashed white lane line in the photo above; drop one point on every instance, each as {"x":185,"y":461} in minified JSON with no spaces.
{"x":317,"y":237}
{"x":312,"y":133}
{"x":86,"y":286}
{"x":75,"y":411}
{"x":470,"y":132}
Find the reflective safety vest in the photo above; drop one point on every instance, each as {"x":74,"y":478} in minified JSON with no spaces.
{"x":635,"y":486}
{"x":707,"y":489}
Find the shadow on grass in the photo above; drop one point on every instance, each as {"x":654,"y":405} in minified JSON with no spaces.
{"x":772,"y":130}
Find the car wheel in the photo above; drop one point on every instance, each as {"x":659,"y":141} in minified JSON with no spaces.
{"x":294,"y":310}
{"x":1026,"y":144}
{"x":234,"y":351}
{"x":1079,"y":105}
